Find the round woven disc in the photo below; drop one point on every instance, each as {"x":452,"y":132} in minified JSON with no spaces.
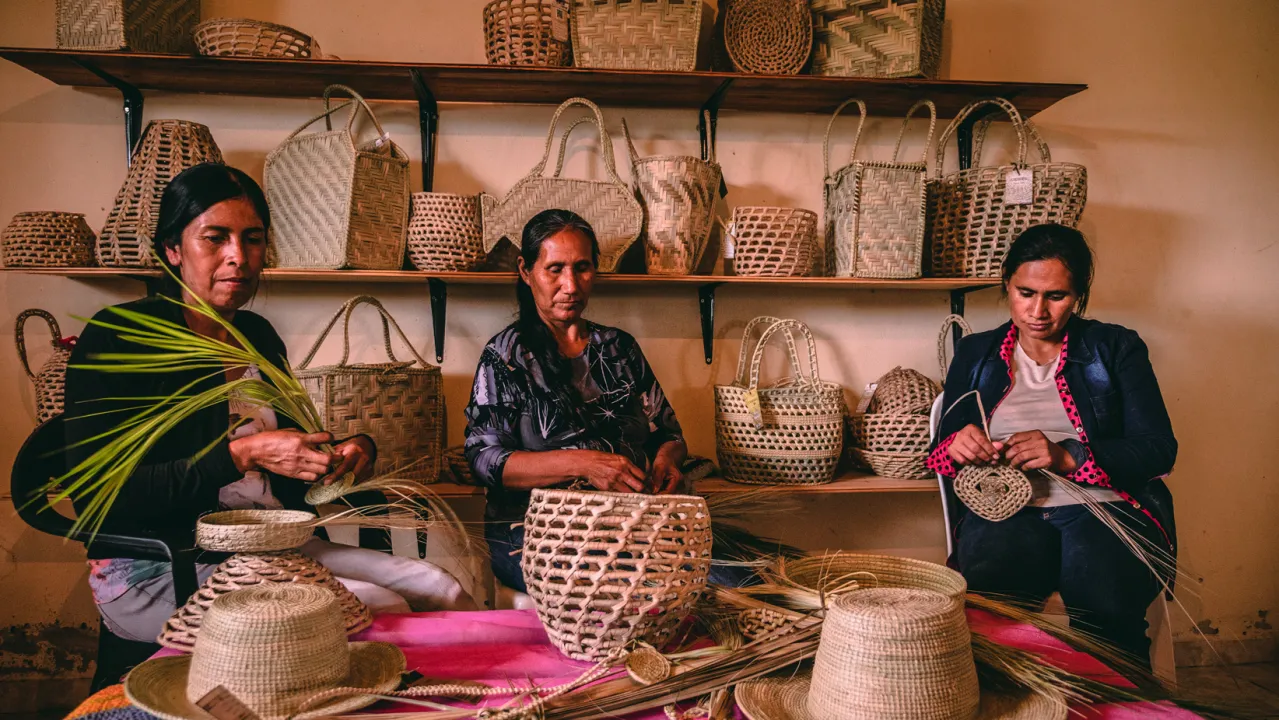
{"x":770,"y":37}
{"x":994,"y":492}
{"x":646,"y":665}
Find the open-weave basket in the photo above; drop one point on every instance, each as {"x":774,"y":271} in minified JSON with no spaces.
{"x":970,"y":225}
{"x":774,"y":241}
{"x":47,"y":239}
{"x":156,"y":26}
{"x":636,"y":34}
{"x":606,"y":570}
{"x":877,"y":38}
{"x":167,"y":148}
{"x":891,"y":433}
{"x":254,"y":530}
{"x":769,"y":37}
{"x":240,"y":37}
{"x":445,"y":233}
{"x":50,"y":382}
{"x":875,"y":210}
{"x":904,"y":465}
{"x":904,"y":391}
{"x":528,"y":32}
{"x":800,"y":430}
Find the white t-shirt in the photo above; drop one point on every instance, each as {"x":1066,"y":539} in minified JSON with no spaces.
{"x":253,"y":491}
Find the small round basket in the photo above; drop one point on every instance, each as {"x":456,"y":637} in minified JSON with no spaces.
{"x":528,"y":32}
{"x":47,"y":239}
{"x":444,"y":232}
{"x":834,"y":569}
{"x":993,"y":492}
{"x":903,"y":391}
{"x":254,"y":530}
{"x":903,"y":466}
{"x":774,"y":241}
{"x":768,"y":37}
{"x":881,"y":432}
{"x":239,"y":37}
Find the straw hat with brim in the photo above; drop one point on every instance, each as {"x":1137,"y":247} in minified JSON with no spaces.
{"x":891,"y":654}
{"x":273,"y":647}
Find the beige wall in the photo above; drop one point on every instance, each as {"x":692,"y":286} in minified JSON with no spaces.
{"x":1176,"y":131}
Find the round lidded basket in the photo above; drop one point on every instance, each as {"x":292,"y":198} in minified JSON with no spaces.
{"x":528,"y":32}
{"x":444,"y":233}
{"x":241,"y":37}
{"x":892,"y":433}
{"x":903,"y":466}
{"x":254,"y":530}
{"x":608,"y":569}
{"x":47,"y":239}
{"x":904,"y":391}
{"x":774,"y":241}
{"x":769,"y":37}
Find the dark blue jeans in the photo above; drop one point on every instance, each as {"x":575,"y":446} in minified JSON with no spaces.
{"x":1105,"y":588}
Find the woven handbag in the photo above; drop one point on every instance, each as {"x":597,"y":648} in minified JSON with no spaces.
{"x":797,"y":434}
{"x":609,"y":206}
{"x":51,"y":381}
{"x":875,"y":210}
{"x":770,"y":37}
{"x":971,"y":222}
{"x":636,"y":34}
{"x":877,"y":38}
{"x":398,"y":405}
{"x":528,"y":32}
{"x":47,"y":239}
{"x":445,"y":233}
{"x":239,"y":37}
{"x":336,"y":203}
{"x":157,"y":26}
{"x":774,"y":241}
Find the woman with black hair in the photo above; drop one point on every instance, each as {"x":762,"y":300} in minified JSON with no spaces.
{"x":1077,"y":397}
{"x":559,"y":399}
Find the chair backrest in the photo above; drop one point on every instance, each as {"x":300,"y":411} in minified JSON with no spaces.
{"x":934,"y":423}
{"x":40,"y":460}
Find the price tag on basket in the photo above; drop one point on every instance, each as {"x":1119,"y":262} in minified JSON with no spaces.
{"x":559,"y":23}
{"x":1019,"y":187}
{"x":751,"y":398}
{"x":869,"y":393}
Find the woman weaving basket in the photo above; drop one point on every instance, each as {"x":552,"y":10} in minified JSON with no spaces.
{"x":212,"y":232}
{"x":1076,"y":397}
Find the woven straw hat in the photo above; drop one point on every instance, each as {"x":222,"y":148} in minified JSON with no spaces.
{"x":891,"y":654}
{"x":273,"y":647}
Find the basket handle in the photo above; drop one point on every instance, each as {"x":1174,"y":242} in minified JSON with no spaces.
{"x":559,"y":160}
{"x":979,"y":137}
{"x":787,"y":326}
{"x":711,"y":131}
{"x":606,"y":143}
{"x":344,"y":312}
{"x":19,"y":336}
{"x":861,"y":107}
{"x":748,"y":349}
{"x":350,"y":120}
{"x":953,"y":127}
{"x":635,"y":156}
{"x":932,"y":125}
{"x":965,"y":330}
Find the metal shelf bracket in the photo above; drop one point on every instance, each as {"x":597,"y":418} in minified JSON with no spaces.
{"x":706,"y":307}
{"x":707,"y":131}
{"x":428,"y":117}
{"x":132,"y":108}
{"x":439,"y":308}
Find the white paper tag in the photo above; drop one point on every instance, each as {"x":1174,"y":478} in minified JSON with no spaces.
{"x":730,"y":247}
{"x":1019,"y":187}
{"x":382,"y":139}
{"x":867,"y":394}
{"x":224,"y":705}
{"x":559,"y":23}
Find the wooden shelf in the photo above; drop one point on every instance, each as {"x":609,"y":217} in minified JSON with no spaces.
{"x":847,"y":483}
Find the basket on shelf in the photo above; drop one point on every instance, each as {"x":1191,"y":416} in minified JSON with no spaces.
{"x":156,"y":26}
{"x":877,"y":38}
{"x":528,"y":32}
{"x":774,"y":241}
{"x":889,"y":433}
{"x":51,"y":381}
{"x":636,"y":34}
{"x":606,"y":570}
{"x":904,"y":466}
{"x":47,"y":239}
{"x":974,"y":214}
{"x":875,"y":210}
{"x":903,"y":391}
{"x":241,"y":37}
{"x":769,"y":37}
{"x":167,"y":148}
{"x":445,"y":233}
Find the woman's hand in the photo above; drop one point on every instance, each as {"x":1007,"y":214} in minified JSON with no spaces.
{"x":606,"y":471}
{"x":354,"y":455}
{"x":972,"y":447}
{"x":284,"y":452}
{"x":665,"y":475}
{"x":1032,"y":451}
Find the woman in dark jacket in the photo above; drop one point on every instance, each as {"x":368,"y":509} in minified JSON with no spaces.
{"x":1077,"y":397}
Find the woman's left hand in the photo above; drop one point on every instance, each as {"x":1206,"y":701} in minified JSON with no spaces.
{"x":1032,"y":451}
{"x":665,"y":475}
{"x":354,"y":455}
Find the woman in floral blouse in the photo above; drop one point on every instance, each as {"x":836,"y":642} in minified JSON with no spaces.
{"x":558,"y":399}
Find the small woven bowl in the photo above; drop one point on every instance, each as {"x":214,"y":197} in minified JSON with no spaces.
{"x":254,"y":530}
{"x":237,"y":37}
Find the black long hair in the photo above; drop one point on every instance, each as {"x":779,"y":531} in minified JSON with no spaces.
{"x":190,"y":195}
{"x":535,"y":336}
{"x":1051,"y":241}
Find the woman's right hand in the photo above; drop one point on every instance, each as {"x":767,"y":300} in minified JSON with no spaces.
{"x":290,"y":453}
{"x":972,"y":447}
{"x":606,"y":471}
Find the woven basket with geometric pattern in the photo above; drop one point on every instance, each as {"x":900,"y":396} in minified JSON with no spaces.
{"x":238,"y":37}
{"x":903,"y":391}
{"x":769,"y":37}
{"x":882,"y":432}
{"x":774,"y":241}
{"x":877,"y":38}
{"x":47,"y":239}
{"x":157,"y":26}
{"x":445,"y":233}
{"x":659,"y":35}
{"x":528,"y":32}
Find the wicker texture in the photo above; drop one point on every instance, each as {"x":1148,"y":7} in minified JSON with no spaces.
{"x":769,"y":37}
{"x":875,"y":210}
{"x":904,"y":391}
{"x":889,"y":433}
{"x":944,"y":338}
{"x":904,"y":466}
{"x":528,"y":32}
{"x":833,"y":569}
{"x":445,"y":233}
{"x":678,"y":193}
{"x":336,"y":203}
{"x":802,"y":431}
{"x":167,"y":148}
{"x":239,"y":37}
{"x":51,"y":381}
{"x":398,"y":405}
{"x":158,"y":26}
{"x":254,"y":530}
{"x":609,"y":569}
{"x":994,"y":492}
{"x":774,"y":241}
{"x":877,"y":38}
{"x":636,"y":34}
{"x":609,"y":206}
{"x":971,"y":226}
{"x":47,"y":239}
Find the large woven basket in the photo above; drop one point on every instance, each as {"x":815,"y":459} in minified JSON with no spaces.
{"x":157,"y":26}
{"x":167,"y":148}
{"x":970,"y":224}
{"x":904,"y":391}
{"x":445,"y":233}
{"x":875,"y":210}
{"x":636,"y":34}
{"x":774,"y":241}
{"x":903,"y":466}
{"x":254,"y":530}
{"x":829,"y":570}
{"x":877,"y":38}
{"x":606,"y":570}
{"x":770,"y":37}
{"x":239,"y":37}
{"x":398,"y":405}
{"x":882,"y":432}
{"x":50,"y":382}
{"x":528,"y":32}
{"x":47,"y":239}
{"x":797,"y":435}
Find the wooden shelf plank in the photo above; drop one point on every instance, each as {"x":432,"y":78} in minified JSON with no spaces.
{"x":522,"y":85}
{"x":847,"y":483}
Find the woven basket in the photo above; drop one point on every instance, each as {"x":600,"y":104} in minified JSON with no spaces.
{"x":945,"y":337}
{"x":167,"y":148}
{"x":336,"y":203}
{"x":904,"y":391}
{"x":248,"y":570}
{"x":800,"y":430}
{"x":880,"y":432}
{"x":238,"y":37}
{"x":875,"y":210}
{"x":528,"y":32}
{"x":971,"y":226}
{"x":445,"y":233}
{"x":833,"y":569}
{"x":903,"y":466}
{"x":877,"y":38}
{"x":993,"y":492}
{"x":47,"y":239}
{"x":156,"y":26}
{"x":769,"y":37}
{"x":606,"y":570}
{"x":609,"y":206}
{"x":678,"y":193}
{"x":51,"y":381}
{"x":400,"y":406}
{"x":254,"y":530}
{"x":774,"y":241}
{"x":636,"y":34}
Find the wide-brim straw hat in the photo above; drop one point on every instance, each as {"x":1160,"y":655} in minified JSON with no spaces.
{"x":274,"y":647}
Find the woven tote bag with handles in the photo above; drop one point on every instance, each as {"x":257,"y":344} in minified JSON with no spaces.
{"x":51,"y":381}
{"x":398,"y":405}
{"x":972,"y":216}
{"x":157,"y":26}
{"x":609,"y":206}
{"x":636,"y":34}
{"x":789,"y":433}
{"x":877,"y":38}
{"x":875,"y":210}
{"x":336,"y":203}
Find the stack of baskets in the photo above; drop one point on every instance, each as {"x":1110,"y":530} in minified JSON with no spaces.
{"x":891,"y":438}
